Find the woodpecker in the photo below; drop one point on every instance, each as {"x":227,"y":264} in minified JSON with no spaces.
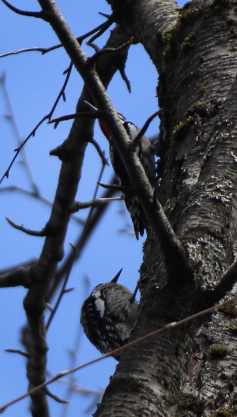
{"x":144,"y":152}
{"x":108,"y":316}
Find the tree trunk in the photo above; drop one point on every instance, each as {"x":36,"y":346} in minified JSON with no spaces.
{"x":190,"y":370}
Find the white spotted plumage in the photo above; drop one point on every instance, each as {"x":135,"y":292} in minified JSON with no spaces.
{"x":108,"y":316}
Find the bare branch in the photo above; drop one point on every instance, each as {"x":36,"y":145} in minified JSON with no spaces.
{"x":62,"y":91}
{"x":104,"y":51}
{"x":34,"y":49}
{"x":93,"y":203}
{"x":39,"y":15}
{"x":32,"y":133}
{"x":124,"y":77}
{"x":14,"y":188}
{"x":63,"y":290}
{"x":62,"y":152}
{"x":32,"y":391}
{"x":92,"y":115}
{"x":50,"y":308}
{"x":105,"y":15}
{"x":71,"y":383}
{"x":85,"y":392}
{"x":120,"y":63}
{"x":48,"y":116}
{"x":42,"y":233}
{"x":144,"y":129}
{"x":82,"y":239}
{"x":106,"y":25}
{"x":116,"y":187}
{"x":38,"y":197}
{"x":20,"y":352}
{"x":19,"y":277}
{"x":227,"y":281}
{"x":88,"y":391}
{"x":12,"y":269}
{"x":52,"y":48}
{"x":94,"y":46}
{"x":13,"y":123}
{"x":54,"y":397}
{"x":81,"y":390}
{"x":69,"y":290}
{"x":87,"y":230}
{"x":100,"y":152}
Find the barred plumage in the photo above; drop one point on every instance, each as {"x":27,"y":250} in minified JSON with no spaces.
{"x":108,"y":316}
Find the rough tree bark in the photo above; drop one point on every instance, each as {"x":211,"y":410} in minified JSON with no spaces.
{"x":192,"y":370}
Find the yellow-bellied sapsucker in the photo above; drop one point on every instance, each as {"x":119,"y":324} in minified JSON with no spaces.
{"x":108,"y":316}
{"x":144,"y":152}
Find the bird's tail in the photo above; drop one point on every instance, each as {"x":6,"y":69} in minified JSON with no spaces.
{"x":137,"y":214}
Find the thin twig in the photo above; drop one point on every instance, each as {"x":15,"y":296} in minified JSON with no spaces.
{"x":75,"y":254}
{"x":48,"y":116}
{"x":54,"y":397}
{"x":122,"y":188}
{"x":20,"y":352}
{"x":62,"y":292}
{"x":19,"y":277}
{"x":143,"y":130}
{"x":106,"y":25}
{"x":32,"y":133}
{"x":13,"y":123}
{"x":227,"y":281}
{"x":61,"y":151}
{"x":100,"y":152}
{"x":34,"y":49}
{"x":93,"y":115}
{"x":79,"y":389}
{"x":52,"y":48}
{"x":12,"y":269}
{"x":14,"y":188}
{"x":62,"y":91}
{"x":124,"y":77}
{"x":84,"y":231}
{"x":73,"y":352}
{"x":105,"y":15}
{"x":115,"y":352}
{"x":39,"y":15}
{"x":94,"y":46}
{"x":82,"y":239}
{"x":42,"y":233}
{"x":104,"y":51}
{"x":93,"y":203}
{"x":49,"y":307}
{"x":69,"y":289}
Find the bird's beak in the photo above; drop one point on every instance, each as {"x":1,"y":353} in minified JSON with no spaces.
{"x":115,"y":279}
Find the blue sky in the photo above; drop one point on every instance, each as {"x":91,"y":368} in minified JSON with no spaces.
{"x":33,"y":82}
